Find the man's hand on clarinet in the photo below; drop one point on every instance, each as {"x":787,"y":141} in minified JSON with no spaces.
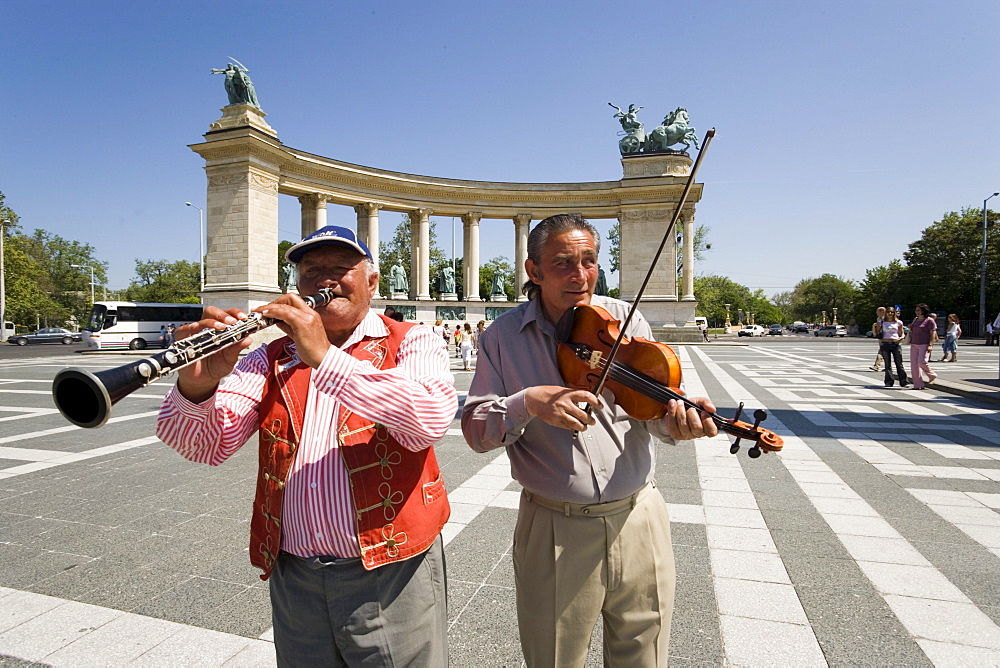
{"x":303,"y":324}
{"x":198,"y":381}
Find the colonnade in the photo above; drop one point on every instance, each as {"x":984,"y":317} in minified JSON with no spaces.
{"x":314,"y":216}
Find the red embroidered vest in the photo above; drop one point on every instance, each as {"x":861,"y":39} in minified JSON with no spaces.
{"x":400,"y":504}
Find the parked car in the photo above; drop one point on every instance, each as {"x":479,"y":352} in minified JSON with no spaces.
{"x":831,"y":330}
{"x":775,"y":330}
{"x":752,"y":330}
{"x":799,"y":326}
{"x":47,"y":335}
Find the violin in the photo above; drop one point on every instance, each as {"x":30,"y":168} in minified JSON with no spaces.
{"x":644,"y":375}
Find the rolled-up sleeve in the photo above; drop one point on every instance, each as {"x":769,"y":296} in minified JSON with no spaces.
{"x":210,"y":432}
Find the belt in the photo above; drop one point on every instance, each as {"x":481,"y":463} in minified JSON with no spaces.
{"x":323,"y":561}
{"x":589,"y":509}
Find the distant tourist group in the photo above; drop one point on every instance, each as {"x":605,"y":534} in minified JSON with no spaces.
{"x":921,"y":336}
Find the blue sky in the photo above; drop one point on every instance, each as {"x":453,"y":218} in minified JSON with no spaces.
{"x":844,"y":128}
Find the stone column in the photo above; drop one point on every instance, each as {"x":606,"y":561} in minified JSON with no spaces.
{"x":313,"y":213}
{"x":420,"y":254}
{"x":368,"y":231}
{"x":687,"y":271}
{"x":470,"y":255}
{"x":521,"y":223}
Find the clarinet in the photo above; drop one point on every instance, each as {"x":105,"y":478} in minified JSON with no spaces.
{"x":86,"y":398}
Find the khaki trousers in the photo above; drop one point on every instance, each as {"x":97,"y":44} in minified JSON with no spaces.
{"x":576,"y":563}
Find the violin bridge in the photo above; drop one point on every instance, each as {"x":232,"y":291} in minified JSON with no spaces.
{"x":595,"y":359}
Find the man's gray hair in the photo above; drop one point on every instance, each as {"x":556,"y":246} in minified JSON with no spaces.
{"x":554,"y":225}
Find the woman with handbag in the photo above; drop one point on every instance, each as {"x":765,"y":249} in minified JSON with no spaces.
{"x":890,"y":333}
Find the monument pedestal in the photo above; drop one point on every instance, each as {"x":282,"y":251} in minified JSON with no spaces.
{"x":449,"y":296}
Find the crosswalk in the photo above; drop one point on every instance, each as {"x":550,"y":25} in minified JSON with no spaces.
{"x":892,"y":485}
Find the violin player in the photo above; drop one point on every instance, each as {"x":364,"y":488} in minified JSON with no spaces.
{"x":592,"y":535}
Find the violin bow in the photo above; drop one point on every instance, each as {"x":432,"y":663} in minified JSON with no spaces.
{"x":652,"y":265}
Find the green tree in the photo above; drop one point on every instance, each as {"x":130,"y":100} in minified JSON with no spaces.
{"x":812,"y":296}
{"x":714,"y":292}
{"x":943,"y":265}
{"x":27,"y":303}
{"x":165,"y":282}
{"x":880,"y":287}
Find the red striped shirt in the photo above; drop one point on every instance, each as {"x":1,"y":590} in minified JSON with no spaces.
{"x":416,"y":401}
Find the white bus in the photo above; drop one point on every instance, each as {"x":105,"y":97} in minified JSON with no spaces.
{"x":134,"y":325}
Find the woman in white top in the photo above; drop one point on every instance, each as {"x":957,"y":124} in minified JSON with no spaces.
{"x":890,"y":334}
{"x":465,"y":340}
{"x":950,"y":345}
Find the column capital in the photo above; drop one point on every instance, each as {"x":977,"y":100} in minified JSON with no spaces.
{"x":317,"y":200}
{"x":472,"y":218}
{"x":522,"y":218}
{"x":367,"y":208}
{"x":419,"y":214}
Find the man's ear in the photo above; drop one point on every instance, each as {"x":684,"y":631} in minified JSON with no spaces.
{"x":533,"y":273}
{"x":373,"y":282}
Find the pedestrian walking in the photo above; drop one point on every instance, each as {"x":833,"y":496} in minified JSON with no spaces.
{"x":876,"y":332}
{"x":703,"y":326}
{"x":890,"y":334}
{"x":465,"y":339}
{"x":950,"y":345}
{"x":923,"y":329}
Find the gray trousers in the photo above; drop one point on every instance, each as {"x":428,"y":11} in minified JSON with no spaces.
{"x":335,"y":613}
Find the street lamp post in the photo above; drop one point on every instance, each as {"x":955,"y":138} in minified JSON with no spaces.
{"x":201,"y":244}
{"x":82,"y":266}
{"x":834,"y":315}
{"x":729,"y":324}
{"x":982,"y":272}
{"x":3,"y":287}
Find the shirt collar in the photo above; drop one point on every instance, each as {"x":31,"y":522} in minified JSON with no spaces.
{"x":372,"y":327}
{"x":533,"y":313}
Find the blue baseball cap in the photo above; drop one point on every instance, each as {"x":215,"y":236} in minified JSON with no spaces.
{"x":331,"y":235}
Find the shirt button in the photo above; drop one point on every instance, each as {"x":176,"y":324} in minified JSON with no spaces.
{"x":319,"y":535}
{"x":313,"y":485}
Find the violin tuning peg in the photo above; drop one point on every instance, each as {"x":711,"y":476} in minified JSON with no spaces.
{"x":760,"y":415}
{"x":735,"y":447}
{"x":754,"y":452}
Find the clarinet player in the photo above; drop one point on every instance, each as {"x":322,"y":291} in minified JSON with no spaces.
{"x":350,"y":502}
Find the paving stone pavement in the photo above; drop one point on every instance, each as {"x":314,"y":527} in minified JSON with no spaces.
{"x":873,"y":538}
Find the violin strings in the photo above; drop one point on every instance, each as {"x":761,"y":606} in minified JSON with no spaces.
{"x":632,"y":378}
{"x":639,"y":382}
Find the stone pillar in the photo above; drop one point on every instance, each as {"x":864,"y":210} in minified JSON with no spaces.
{"x":313,"y":213}
{"x":522,"y":221}
{"x":420,"y":254}
{"x":368,"y":231}
{"x":687,"y":271}
{"x":241,"y":258}
{"x":470,"y":256}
